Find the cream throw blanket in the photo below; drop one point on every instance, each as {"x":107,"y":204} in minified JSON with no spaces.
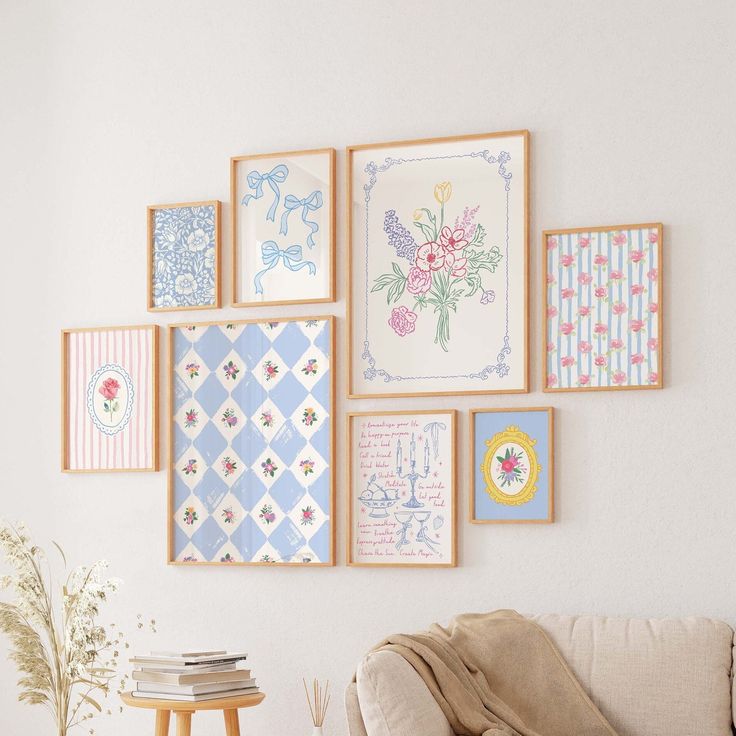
{"x":498,"y":674}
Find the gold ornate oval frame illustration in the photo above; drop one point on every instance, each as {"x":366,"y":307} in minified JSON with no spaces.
{"x":514,"y":435}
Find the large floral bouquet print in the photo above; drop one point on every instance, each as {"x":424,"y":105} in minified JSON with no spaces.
{"x":439,"y":266}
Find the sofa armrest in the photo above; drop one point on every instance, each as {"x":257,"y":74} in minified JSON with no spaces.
{"x":356,"y":727}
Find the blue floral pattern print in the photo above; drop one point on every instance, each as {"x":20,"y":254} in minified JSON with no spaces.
{"x":184,"y":257}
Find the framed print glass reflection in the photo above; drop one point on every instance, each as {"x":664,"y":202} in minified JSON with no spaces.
{"x":109,"y":399}
{"x":438,"y":269}
{"x":251,"y":444}
{"x":603,"y":311}
{"x":283,"y":225}
{"x":401,"y":489}
{"x":184,"y":256}
{"x":512,"y":465}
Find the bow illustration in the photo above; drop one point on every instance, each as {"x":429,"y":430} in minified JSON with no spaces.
{"x":271,"y":254}
{"x":255,"y":180}
{"x":434,"y":432}
{"x":308,"y":204}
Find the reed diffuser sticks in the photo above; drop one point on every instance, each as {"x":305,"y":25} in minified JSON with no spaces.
{"x":317,"y":701}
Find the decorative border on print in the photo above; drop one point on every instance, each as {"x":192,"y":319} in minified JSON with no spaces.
{"x":271,"y":254}
{"x":452,"y":413}
{"x":549,"y":464}
{"x":65,"y":333}
{"x":150,"y":219}
{"x":485,"y":372}
{"x":112,"y":368}
{"x":330,"y":319}
{"x":656,"y":384}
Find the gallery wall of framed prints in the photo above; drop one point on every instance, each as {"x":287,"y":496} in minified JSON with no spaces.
{"x":437,"y":288}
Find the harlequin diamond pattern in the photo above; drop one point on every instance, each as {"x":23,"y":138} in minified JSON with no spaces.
{"x":256,"y":492}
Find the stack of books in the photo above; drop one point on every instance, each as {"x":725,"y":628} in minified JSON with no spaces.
{"x":192,"y":676}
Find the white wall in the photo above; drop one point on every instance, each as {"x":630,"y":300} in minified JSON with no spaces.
{"x":108,"y":107}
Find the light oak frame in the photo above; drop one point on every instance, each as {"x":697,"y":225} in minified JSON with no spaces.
{"x":150,"y":215}
{"x":660,"y":322}
{"x":349,"y":286}
{"x":349,"y":486}
{"x":65,"y":399}
{"x":550,"y":464}
{"x":234,"y":161}
{"x":170,"y":438}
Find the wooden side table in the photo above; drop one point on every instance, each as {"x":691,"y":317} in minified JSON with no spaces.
{"x":184,"y":710}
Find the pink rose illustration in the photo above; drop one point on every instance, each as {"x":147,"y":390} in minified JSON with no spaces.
{"x":653,"y":307}
{"x":616,"y":344}
{"x":653,"y":237}
{"x":636,"y":325}
{"x":601,"y":292}
{"x":619,"y":239}
{"x":567,"y":328}
{"x":616,"y":275}
{"x":585,"y":278}
{"x":551,"y":279}
{"x":551,"y":243}
{"x":653,"y":377}
{"x":600,"y":328}
{"x":652,"y":274}
{"x":637,"y":358}
{"x":583,"y":242}
{"x":636,"y":255}
{"x":550,"y":347}
{"x":418,"y":281}
{"x":600,"y":361}
{"x":619,"y":377}
{"x":567,"y":361}
{"x":637,"y":289}
{"x":584,"y":311}
{"x":402,"y":320}
{"x":430,"y":256}
{"x":551,"y":379}
{"x":652,"y":343}
{"x":551,"y":310}
{"x":600,"y":260}
{"x":619,"y":308}
{"x":109,"y":388}
{"x":584,"y":379}
{"x":567,"y":293}
{"x":584,"y":346}
{"x":567,"y":260}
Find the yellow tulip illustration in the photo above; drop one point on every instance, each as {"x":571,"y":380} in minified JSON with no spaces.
{"x":417,"y":214}
{"x":443,"y":191}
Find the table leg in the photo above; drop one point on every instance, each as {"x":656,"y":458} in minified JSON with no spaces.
{"x":162,"y":722}
{"x":183,"y":723}
{"x":232,"y":724}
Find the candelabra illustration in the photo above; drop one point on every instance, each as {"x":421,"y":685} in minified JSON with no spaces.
{"x":412,"y":476}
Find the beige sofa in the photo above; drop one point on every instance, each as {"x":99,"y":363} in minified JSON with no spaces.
{"x":649,"y":677}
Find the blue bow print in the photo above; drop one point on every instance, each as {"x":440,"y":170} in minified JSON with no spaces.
{"x":311,"y":203}
{"x":255,"y":180}
{"x":271,"y":254}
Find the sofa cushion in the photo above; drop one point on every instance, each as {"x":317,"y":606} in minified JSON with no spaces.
{"x":395,"y":701}
{"x":651,"y":677}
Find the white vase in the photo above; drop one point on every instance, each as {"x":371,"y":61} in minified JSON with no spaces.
{"x":317,"y":731}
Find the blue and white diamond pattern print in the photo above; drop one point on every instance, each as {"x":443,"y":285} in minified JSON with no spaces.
{"x":251,"y":481}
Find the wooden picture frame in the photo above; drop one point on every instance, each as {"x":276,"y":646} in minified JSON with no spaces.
{"x":431,"y":538}
{"x":504,"y":368}
{"x":196,"y":238}
{"x":109,"y":370}
{"x":600,"y":291}
{"x":321,"y":394}
{"x":289,"y":244}
{"x":513,"y":430}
